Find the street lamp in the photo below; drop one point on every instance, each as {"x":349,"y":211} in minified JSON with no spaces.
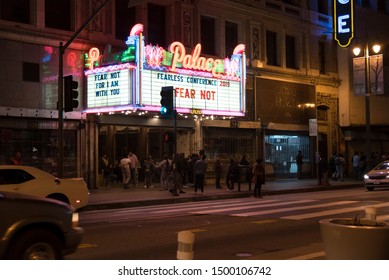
{"x":357,"y":50}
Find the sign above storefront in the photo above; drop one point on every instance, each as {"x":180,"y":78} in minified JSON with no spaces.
{"x":206,"y":85}
{"x":110,"y":88}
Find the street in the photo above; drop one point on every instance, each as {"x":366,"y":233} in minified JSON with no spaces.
{"x":276,"y":227}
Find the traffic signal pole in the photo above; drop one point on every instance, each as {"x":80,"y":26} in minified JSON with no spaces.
{"x":62,"y":49}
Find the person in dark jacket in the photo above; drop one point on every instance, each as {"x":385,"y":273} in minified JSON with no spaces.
{"x":258,"y":177}
{"x":232,"y":174}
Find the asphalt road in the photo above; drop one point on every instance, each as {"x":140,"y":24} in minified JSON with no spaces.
{"x":277,"y":227}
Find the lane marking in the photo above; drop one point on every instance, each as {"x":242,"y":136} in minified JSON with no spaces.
{"x":265,"y":222}
{"x":263,"y":212}
{"x":229,"y":209}
{"x":86,"y":245}
{"x":188,"y":208}
{"x":331,"y":212}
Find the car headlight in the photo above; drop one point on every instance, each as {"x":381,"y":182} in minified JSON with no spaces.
{"x":366,"y":176}
{"x":75,"y":219}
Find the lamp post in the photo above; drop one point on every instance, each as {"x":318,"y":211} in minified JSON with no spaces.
{"x":357,"y":51}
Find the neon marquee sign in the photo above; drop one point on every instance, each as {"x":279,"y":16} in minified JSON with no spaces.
{"x":202,"y":84}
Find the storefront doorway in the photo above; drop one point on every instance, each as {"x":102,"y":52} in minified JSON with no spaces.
{"x":281,"y":151}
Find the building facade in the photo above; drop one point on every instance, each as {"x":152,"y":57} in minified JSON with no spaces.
{"x":295,"y":96}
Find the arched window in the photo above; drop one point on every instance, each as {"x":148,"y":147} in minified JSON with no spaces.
{"x":322,"y":113}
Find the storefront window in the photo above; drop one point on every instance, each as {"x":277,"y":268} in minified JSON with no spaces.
{"x":281,"y":152}
{"x":39,"y":149}
{"x":227,"y":143}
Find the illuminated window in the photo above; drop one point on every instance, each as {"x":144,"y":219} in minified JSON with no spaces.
{"x":208,"y":35}
{"x":272,"y":48}
{"x":291,"y":52}
{"x":231,"y":35}
{"x":31,"y":72}
{"x":16,"y":10}
{"x":58,"y":14}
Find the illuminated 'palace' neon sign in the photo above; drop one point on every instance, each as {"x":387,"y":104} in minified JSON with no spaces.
{"x":177,"y":58}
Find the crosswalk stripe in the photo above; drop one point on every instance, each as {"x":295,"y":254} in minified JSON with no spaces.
{"x":188,"y":208}
{"x":229,"y":209}
{"x":273,"y":211}
{"x":332,"y":212}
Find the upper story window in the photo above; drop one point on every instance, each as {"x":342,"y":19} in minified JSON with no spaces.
{"x":15,"y":10}
{"x":58,"y":14}
{"x":208,"y":33}
{"x":231,"y":35}
{"x":291,"y":52}
{"x":322,"y":7}
{"x":125,"y":19}
{"x":272,"y":49}
{"x":156,"y":24}
{"x":322,"y":57}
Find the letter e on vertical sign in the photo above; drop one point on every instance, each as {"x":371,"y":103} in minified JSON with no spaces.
{"x":344,"y":22}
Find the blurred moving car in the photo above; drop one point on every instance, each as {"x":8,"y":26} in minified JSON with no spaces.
{"x":33,"y":228}
{"x":378,"y":176}
{"x":33,"y":181}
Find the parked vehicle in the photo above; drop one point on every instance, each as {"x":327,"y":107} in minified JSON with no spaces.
{"x":33,"y":228}
{"x":33,"y":181}
{"x":378,"y":176}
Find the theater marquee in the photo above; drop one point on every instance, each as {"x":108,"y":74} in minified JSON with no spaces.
{"x":208,"y":86}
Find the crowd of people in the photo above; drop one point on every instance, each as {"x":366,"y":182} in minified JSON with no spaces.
{"x":178,"y":172}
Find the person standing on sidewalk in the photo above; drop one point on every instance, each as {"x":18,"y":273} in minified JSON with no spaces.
{"x":218,"y":172}
{"x":258,"y":177}
{"x":166,"y":168}
{"x":340,"y":164}
{"x":149,"y":171}
{"x":134,"y":164}
{"x":126,"y":173}
{"x":299,"y":162}
{"x":362,"y":165}
{"x":355,"y":161}
{"x":232,"y":174}
{"x":200,"y":170}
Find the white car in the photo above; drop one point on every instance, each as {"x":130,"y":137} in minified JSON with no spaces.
{"x":33,"y":181}
{"x":378,"y":176}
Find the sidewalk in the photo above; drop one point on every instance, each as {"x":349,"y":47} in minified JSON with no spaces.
{"x":118,"y":197}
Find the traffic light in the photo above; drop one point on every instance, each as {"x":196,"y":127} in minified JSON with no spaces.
{"x":70,"y":93}
{"x":167,"y":102}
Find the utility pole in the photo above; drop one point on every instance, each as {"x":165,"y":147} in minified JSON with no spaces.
{"x":62,"y":49}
